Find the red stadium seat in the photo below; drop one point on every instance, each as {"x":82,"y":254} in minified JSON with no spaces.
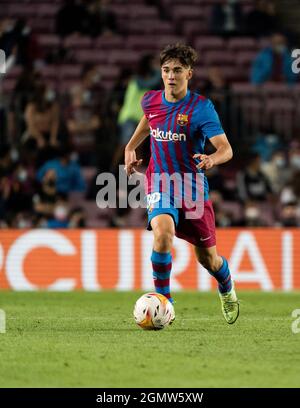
{"x":47,"y":9}
{"x":20,"y":10}
{"x":49,"y":40}
{"x":123,"y":57}
{"x":42,"y":25}
{"x":191,"y":29}
{"x":181,"y":13}
{"x":109,"y":42}
{"x":218,"y":58}
{"x":69,"y":71}
{"x":8,"y":85}
{"x":243,"y":44}
{"x":148,"y":27}
{"x":246,"y":58}
{"x":276,"y":89}
{"x":77,"y":41}
{"x":135,"y":11}
{"x":209,"y":43}
{"x":90,"y":56}
{"x":49,"y":71}
{"x":109,"y":72}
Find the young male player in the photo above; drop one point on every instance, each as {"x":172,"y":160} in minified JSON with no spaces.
{"x":179,"y":121}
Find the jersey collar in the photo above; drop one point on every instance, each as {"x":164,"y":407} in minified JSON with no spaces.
{"x":185,"y":99}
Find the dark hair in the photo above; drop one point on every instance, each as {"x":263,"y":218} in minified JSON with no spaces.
{"x":184,"y":53}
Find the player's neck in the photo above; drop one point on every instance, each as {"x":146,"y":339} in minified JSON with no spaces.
{"x":172,"y":97}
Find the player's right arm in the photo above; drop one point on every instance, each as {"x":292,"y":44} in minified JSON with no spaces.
{"x":139,"y":135}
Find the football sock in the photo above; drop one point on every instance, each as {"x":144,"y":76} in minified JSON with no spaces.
{"x":223,"y":277}
{"x":162,"y":265}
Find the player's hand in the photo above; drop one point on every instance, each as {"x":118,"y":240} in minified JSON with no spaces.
{"x":131,"y":162}
{"x":207,"y":162}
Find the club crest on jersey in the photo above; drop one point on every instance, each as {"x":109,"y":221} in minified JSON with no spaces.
{"x":182,"y":119}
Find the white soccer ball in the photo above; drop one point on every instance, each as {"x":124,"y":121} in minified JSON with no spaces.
{"x":153,"y":311}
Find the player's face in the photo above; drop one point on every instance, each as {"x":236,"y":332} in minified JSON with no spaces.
{"x":175,"y":76}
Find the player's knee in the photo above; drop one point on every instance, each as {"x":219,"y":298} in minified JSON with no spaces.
{"x":163,"y":240}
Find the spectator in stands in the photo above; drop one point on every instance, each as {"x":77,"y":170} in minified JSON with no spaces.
{"x":5,"y":170}
{"x":252,"y":184}
{"x":266,"y":143}
{"x":82,"y":116}
{"x":291,"y":191}
{"x":148,"y":77}
{"x":223,"y":218}
{"x":117,"y":96}
{"x":289,"y":216}
{"x":72,"y":17}
{"x":16,"y":38}
{"x":89,"y":88}
{"x":261,"y":20}
{"x":226,"y":18}
{"x":26,"y":87}
{"x":42,"y":117}
{"x":252,"y":216}
{"x":6,"y":163}
{"x":77,"y":218}
{"x":101,"y":18}
{"x":21,"y":220}
{"x":17,"y":188}
{"x":46,"y":195}
{"x":277,"y":171}
{"x":274,"y":63}
{"x":218,"y":90}
{"x":67,"y":172}
{"x":294,"y":156}
{"x":60,"y":217}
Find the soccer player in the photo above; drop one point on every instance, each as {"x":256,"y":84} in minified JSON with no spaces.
{"x":179,"y":121}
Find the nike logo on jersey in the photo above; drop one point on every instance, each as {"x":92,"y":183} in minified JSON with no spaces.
{"x":204,"y":239}
{"x":151,"y":115}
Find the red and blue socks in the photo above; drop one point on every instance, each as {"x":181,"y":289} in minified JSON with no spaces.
{"x":162,"y":265}
{"x":223,"y":277}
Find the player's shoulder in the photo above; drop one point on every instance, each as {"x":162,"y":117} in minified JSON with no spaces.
{"x":150,"y":98}
{"x":201,"y":99}
{"x":202,"y":102}
{"x":150,"y":95}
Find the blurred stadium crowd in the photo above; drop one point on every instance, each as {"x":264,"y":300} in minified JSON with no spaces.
{"x":69,"y":102}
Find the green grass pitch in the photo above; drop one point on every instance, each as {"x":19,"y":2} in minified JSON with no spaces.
{"x":84,"y":339}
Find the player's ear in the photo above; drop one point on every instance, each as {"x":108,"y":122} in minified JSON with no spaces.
{"x":190,"y":74}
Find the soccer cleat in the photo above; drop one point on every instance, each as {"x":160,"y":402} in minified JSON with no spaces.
{"x":230,"y":305}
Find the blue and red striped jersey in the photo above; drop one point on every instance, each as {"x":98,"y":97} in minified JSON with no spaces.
{"x":178,"y":130}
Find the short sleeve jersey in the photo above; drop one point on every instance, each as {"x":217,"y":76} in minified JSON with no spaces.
{"x":178,"y":130}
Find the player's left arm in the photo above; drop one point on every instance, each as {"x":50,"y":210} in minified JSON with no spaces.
{"x":222,"y":154}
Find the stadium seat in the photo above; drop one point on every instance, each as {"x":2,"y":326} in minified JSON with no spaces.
{"x":243,"y":43}
{"x":109,"y":42}
{"x":90,"y":56}
{"x":181,"y":13}
{"x":123,"y":57}
{"x":245,"y":58}
{"x":68,"y":70}
{"x":209,"y":43}
{"x":276,"y":90}
{"x":141,"y":43}
{"x":191,"y":29}
{"x":76,"y":41}
{"x":245,"y":89}
{"x":220,"y":58}
{"x":47,"y":9}
{"x":148,"y":27}
{"x":49,"y":40}
{"x":42,"y":25}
